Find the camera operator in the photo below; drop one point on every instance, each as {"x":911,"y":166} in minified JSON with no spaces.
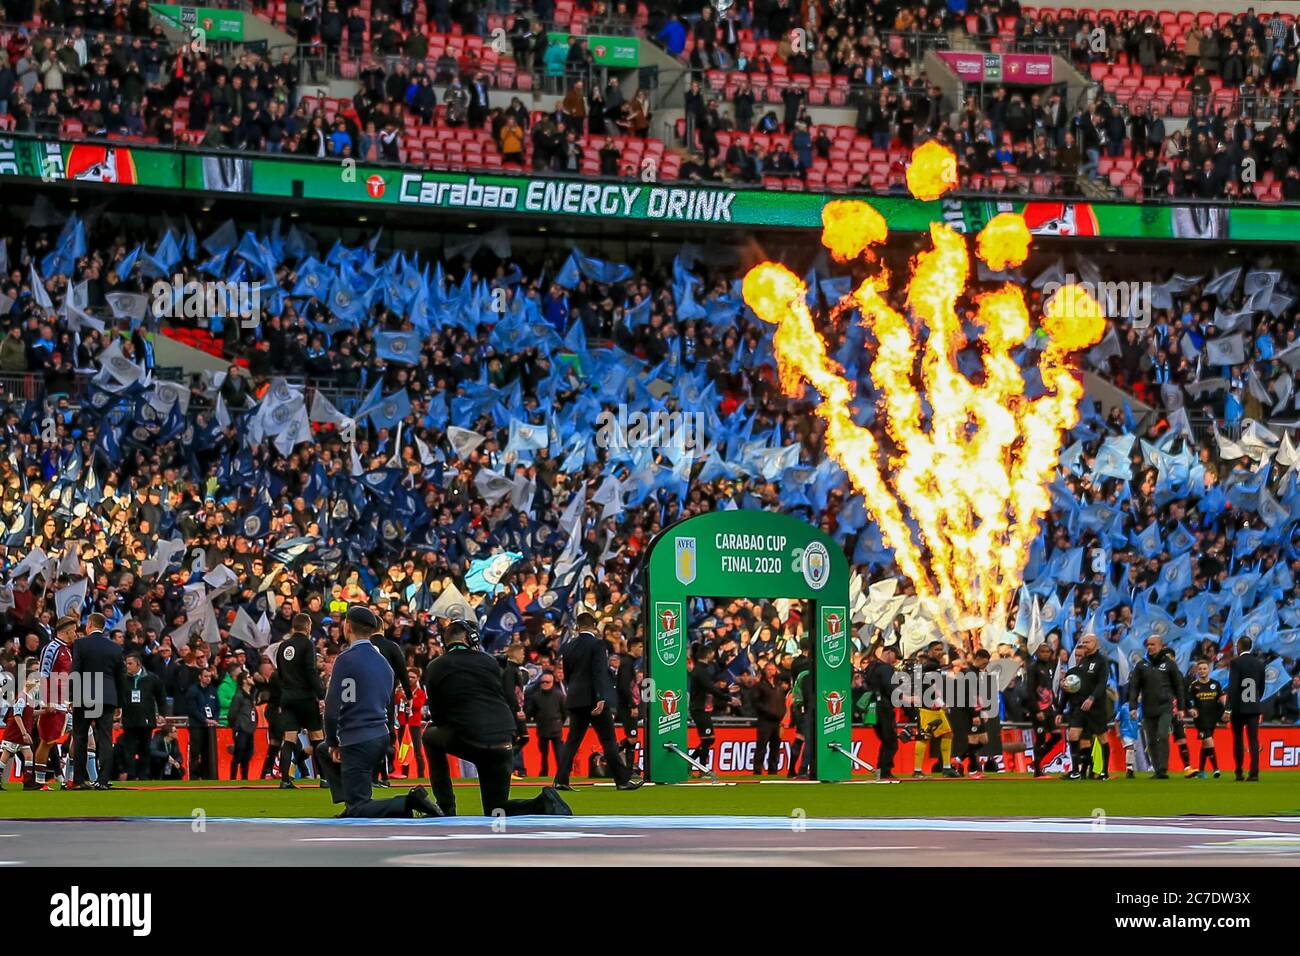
{"x":471,"y":717}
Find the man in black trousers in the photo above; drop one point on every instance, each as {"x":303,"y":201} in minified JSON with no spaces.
{"x":142,"y":707}
{"x":1157,"y":683}
{"x":392,"y":652}
{"x":356,"y":733}
{"x":769,"y":708}
{"x":881,"y":681}
{"x":1245,"y":688}
{"x":590,"y":698}
{"x":472,"y":717}
{"x":101,"y":676}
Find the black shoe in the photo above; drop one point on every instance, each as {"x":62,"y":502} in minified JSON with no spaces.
{"x":886,"y":776}
{"x":287,"y":784}
{"x":1129,"y":775}
{"x":1072,"y":775}
{"x":1103,"y":776}
{"x":554,"y":803}
{"x":417,"y":800}
{"x":950,"y":773}
{"x":1253,"y":778}
{"x":632,"y":783}
{"x":1160,"y":776}
{"x":382,"y":785}
{"x":562,"y":786}
{"x":102,"y":785}
{"x":31,"y":785}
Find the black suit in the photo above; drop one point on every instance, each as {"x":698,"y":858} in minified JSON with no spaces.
{"x":1246,"y":682}
{"x":97,"y":662}
{"x":142,"y":702}
{"x":587,"y":681}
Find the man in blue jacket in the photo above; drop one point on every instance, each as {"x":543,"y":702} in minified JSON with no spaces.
{"x":356,"y":725}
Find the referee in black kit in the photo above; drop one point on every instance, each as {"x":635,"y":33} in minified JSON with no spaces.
{"x":356,"y":725}
{"x":470,"y":717}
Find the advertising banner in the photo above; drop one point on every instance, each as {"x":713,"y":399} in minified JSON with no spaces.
{"x":216,"y":24}
{"x":113,"y":165}
{"x":616,"y":52}
{"x":1016,"y":68}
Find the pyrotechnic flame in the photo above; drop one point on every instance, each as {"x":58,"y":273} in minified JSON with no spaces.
{"x":932,"y":172}
{"x":972,"y":472}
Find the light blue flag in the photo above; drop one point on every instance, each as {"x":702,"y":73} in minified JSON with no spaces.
{"x":391,"y":409}
{"x":485,"y":574}
{"x":1148,"y":541}
{"x":1275,"y":678}
{"x":1175,"y":577}
{"x":1240,"y":587}
{"x":400,"y":347}
{"x":223,"y":240}
{"x":1254,"y":625}
{"x":1180,"y":540}
{"x":525,"y":437}
{"x":1112,"y":459}
{"x":314,"y":279}
{"x":128,"y":262}
{"x":1286,"y":643}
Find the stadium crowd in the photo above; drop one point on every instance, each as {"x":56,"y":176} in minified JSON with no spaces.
{"x":421,"y":436}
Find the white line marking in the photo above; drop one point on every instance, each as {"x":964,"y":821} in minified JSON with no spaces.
{"x":476,"y":836}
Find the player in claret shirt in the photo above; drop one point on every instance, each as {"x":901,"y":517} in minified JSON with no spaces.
{"x":1205,"y":702}
{"x":54,"y":718}
{"x":19,"y":726}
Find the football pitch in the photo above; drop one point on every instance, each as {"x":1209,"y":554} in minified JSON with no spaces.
{"x":742,"y":822}
{"x":1276,"y":794}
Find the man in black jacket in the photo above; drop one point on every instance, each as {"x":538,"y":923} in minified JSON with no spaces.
{"x":591,"y":698}
{"x":470,"y":718}
{"x":142,"y":707}
{"x":881,"y":679}
{"x":544,"y":705}
{"x":769,"y":707}
{"x":203,"y":710}
{"x":1158,"y":684}
{"x":1040,"y":701}
{"x":392,"y":653}
{"x":301,"y":693}
{"x":1245,"y":688}
{"x":97,"y":662}
{"x":629,"y":709}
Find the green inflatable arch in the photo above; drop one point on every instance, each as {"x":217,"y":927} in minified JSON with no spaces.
{"x":744,"y":554}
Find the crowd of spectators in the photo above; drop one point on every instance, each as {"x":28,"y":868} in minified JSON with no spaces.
{"x":204,"y":477}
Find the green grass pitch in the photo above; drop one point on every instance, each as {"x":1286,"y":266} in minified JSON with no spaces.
{"x":1277,"y":794}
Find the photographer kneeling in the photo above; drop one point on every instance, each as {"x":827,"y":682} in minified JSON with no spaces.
{"x":471,"y":718}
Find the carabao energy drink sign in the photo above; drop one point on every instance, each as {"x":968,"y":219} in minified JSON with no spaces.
{"x":744,"y":554}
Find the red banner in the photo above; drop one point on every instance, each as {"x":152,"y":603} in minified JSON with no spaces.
{"x":733,"y":752}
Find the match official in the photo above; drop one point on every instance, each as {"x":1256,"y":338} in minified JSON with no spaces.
{"x":471,"y":717}
{"x":356,"y":726}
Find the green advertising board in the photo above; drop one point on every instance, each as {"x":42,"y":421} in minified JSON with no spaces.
{"x":614,"y":52}
{"x":216,"y":24}
{"x":645,"y":201}
{"x":744,"y":554}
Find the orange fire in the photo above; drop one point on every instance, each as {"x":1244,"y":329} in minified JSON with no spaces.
{"x":971,"y":472}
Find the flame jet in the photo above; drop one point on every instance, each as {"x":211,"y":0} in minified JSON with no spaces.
{"x":961,"y":500}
